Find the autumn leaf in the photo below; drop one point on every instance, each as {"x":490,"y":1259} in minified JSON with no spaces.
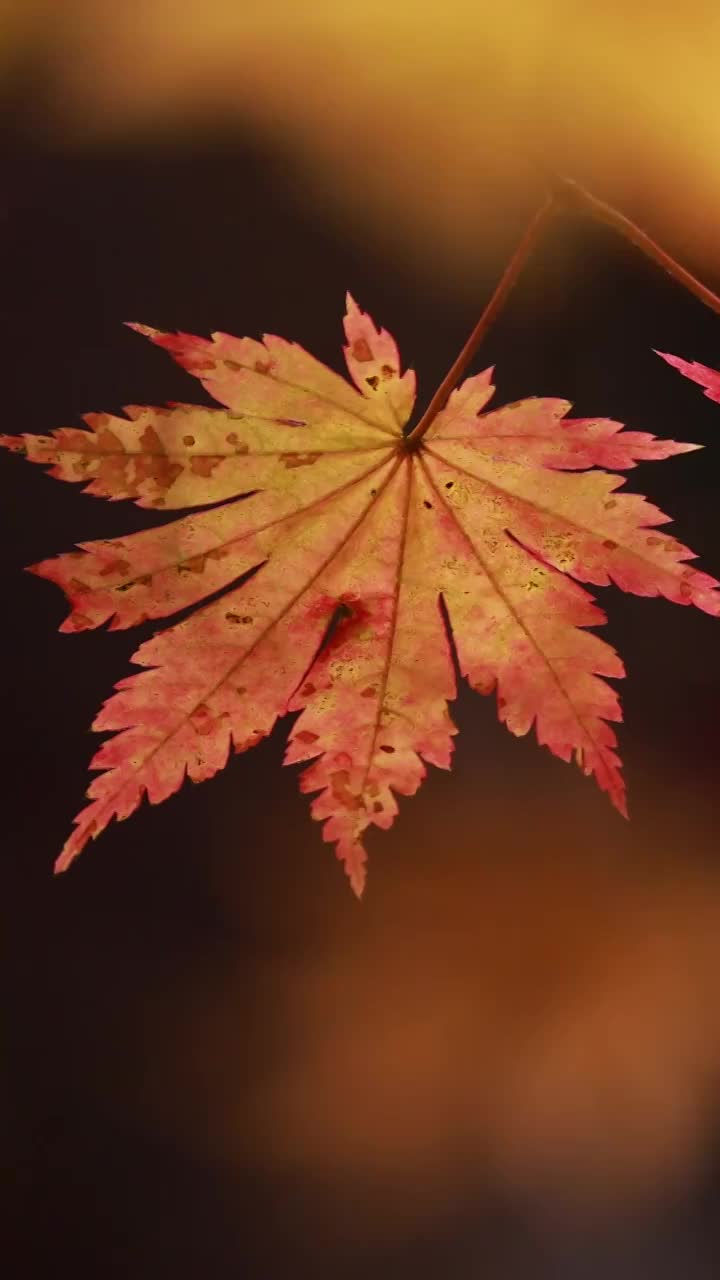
{"x":333,"y":537}
{"x":707,"y":378}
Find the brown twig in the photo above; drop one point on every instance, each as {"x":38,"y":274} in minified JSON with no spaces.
{"x":570,"y":195}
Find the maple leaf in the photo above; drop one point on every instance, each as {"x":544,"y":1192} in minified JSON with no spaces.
{"x":335,"y":539}
{"x":707,"y":378}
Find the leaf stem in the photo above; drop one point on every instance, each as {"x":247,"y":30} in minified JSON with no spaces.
{"x":507,"y":281}
{"x":565,"y":195}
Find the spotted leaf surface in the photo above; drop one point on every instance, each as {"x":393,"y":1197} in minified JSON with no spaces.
{"x":334,"y":568}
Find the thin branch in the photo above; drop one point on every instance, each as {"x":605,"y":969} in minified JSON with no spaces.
{"x":571,"y":196}
{"x":509,"y":277}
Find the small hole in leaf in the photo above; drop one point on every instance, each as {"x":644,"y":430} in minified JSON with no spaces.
{"x":449,"y":484}
{"x":373,"y":381}
{"x":389,"y":750}
{"x":427,"y":504}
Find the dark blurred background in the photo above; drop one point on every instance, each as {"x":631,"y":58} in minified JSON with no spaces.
{"x":215,"y":1062}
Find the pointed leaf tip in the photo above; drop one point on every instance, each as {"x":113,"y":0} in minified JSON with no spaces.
{"x":146,"y":330}
{"x":15,"y":444}
{"x":63,"y":861}
{"x":707,"y":378}
{"x":357,"y":874}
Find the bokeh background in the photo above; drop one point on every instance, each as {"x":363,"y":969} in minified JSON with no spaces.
{"x":505,"y":1062}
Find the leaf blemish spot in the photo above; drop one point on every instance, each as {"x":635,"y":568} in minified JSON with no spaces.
{"x":299,"y":459}
{"x":361,"y":351}
{"x":203,"y":466}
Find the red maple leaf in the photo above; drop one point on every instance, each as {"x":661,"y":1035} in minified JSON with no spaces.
{"x":328,"y":513}
{"x":707,"y":378}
